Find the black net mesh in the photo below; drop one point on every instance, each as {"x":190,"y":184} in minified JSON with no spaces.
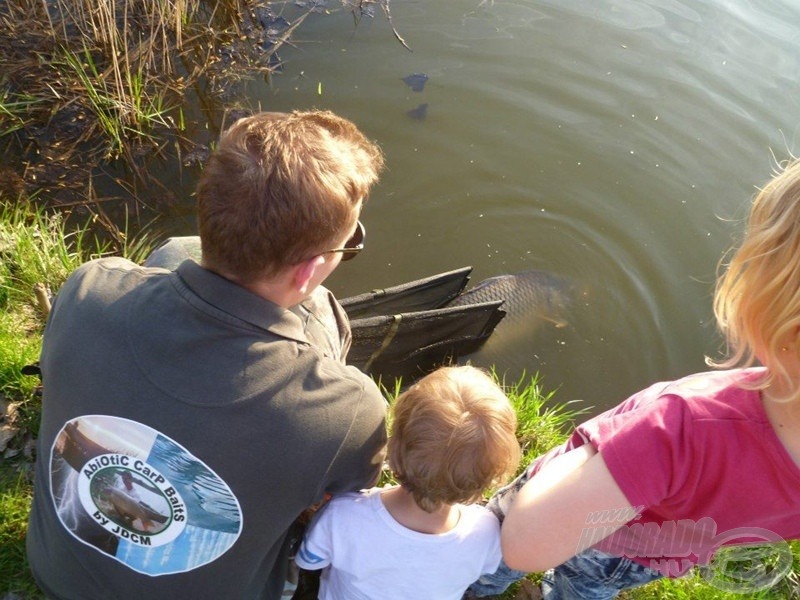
{"x":422,"y":294}
{"x":408,"y":345}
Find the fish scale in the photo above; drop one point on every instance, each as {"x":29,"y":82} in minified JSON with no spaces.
{"x":527,"y":294}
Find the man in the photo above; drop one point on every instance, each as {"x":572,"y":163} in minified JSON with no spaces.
{"x":222,"y":385}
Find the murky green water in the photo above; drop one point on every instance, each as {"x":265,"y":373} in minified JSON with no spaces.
{"x":614,"y":142}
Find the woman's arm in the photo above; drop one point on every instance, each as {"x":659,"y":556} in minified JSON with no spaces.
{"x":548,"y":519}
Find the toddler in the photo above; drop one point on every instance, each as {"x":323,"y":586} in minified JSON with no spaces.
{"x":453,"y":437}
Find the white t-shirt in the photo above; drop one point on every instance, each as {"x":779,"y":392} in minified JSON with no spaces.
{"x":371,"y":556}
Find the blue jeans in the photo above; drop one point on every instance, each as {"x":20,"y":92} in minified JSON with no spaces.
{"x":595,"y":575}
{"x":494,"y":584}
{"x":590,"y":575}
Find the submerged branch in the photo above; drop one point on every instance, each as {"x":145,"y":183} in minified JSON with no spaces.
{"x":388,"y":13}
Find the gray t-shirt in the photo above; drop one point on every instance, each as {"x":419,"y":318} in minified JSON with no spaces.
{"x":186,"y":423}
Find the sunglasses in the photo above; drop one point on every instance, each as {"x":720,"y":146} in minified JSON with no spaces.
{"x":354,"y":245}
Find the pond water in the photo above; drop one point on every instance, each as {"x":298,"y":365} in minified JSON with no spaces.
{"x":616,"y":143}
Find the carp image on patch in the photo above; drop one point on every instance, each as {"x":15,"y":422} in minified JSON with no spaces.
{"x":118,"y":494}
{"x":139,"y":497}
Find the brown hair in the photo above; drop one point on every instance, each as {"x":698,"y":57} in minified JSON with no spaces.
{"x":453,"y":437}
{"x":281,"y":187}
{"x":757,"y":301}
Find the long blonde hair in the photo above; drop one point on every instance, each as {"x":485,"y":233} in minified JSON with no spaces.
{"x":757,"y":299}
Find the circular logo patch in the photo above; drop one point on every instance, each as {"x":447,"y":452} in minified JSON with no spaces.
{"x":132,"y":493}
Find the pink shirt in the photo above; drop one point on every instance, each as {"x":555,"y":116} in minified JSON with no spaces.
{"x":702,"y":466}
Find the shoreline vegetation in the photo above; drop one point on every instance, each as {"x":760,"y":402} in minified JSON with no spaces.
{"x":97,"y":95}
{"x":87,"y":83}
{"x":89,"y":86}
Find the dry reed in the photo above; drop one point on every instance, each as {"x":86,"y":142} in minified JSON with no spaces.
{"x":83,"y":82}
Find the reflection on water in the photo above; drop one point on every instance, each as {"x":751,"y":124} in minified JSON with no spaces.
{"x":612,"y":142}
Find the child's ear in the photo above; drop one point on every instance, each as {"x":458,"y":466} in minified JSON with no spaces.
{"x":305,"y":271}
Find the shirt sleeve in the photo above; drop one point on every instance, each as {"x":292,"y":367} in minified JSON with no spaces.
{"x":360,"y":457}
{"x":315,"y":549}
{"x":648,"y":449}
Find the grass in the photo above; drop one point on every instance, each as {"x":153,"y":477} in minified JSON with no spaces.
{"x":105,"y":66}
{"x":696,"y":587}
{"x":35,"y":250}
{"x":543,"y":422}
{"x":14,"y":110}
{"x":37,"y":247}
{"x":37,"y":253}
{"x":15,"y":498}
{"x":121,"y":112}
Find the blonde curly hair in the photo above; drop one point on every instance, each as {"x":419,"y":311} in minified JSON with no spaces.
{"x":453,"y":437}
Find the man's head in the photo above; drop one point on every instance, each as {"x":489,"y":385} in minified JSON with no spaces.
{"x":280,"y":189}
{"x":453,"y":437}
